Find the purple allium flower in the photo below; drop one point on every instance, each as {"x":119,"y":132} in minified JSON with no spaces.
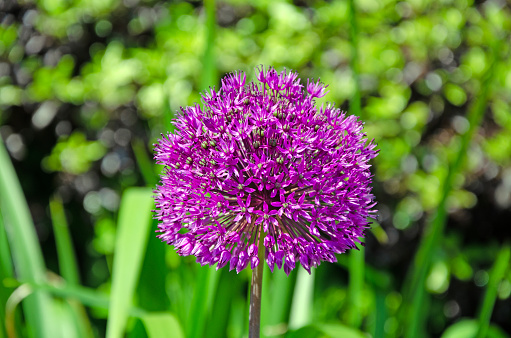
{"x":263,"y":160}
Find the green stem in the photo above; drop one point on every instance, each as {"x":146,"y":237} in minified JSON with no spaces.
{"x":256,"y":286}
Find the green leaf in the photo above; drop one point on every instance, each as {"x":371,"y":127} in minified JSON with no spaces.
{"x":467,"y":328}
{"x":132,"y":234}
{"x":339,"y":330}
{"x":26,"y":252}
{"x":325,"y":331}
{"x":163,"y":324}
{"x":306,"y":331}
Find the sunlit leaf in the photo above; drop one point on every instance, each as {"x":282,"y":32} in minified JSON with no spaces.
{"x":132,"y":234}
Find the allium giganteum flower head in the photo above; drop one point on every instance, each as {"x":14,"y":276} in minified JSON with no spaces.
{"x":263,"y":160}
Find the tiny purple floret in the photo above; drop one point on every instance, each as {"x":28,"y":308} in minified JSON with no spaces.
{"x":263,"y":160}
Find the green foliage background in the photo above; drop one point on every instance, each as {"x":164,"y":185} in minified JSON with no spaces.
{"x":86,"y":86}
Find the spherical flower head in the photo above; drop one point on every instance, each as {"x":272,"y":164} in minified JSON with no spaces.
{"x":261,"y":167}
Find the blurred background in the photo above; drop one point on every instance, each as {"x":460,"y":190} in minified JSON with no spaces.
{"x":87,"y":86}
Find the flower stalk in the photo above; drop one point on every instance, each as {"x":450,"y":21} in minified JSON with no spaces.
{"x":256,"y":286}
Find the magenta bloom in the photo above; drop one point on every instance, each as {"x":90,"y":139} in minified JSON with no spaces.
{"x":262,"y":160}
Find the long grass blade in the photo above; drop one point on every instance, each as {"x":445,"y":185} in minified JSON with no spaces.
{"x":68,"y":267}
{"x":380,"y":314}
{"x":356,"y":283}
{"x":496,"y":276}
{"x":68,"y":327}
{"x":414,"y":289}
{"x":202,"y":301}
{"x":6,"y":271}
{"x":132,"y":233}
{"x":228,"y":288}
{"x":67,"y":258}
{"x":277,"y":296}
{"x":303,"y":300}
{"x":6,"y":268}
{"x":180,"y":285}
{"x":151,"y":289}
{"x":375,"y":278}
{"x":282,"y":293}
{"x":26,"y":252}
{"x":87,"y":296}
{"x":237,"y":318}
